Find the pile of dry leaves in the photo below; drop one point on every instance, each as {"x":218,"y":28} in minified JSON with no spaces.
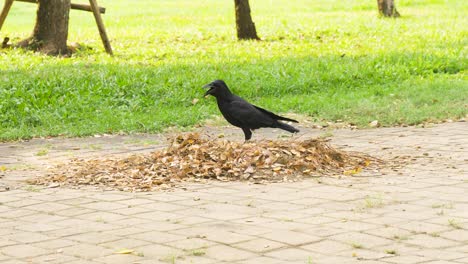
{"x":190,"y":157}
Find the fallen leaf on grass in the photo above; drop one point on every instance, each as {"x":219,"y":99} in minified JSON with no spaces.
{"x":374,"y":123}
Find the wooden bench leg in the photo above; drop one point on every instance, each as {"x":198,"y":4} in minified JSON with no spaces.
{"x":5,"y":10}
{"x":100,"y":24}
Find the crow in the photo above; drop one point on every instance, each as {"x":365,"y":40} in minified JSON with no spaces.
{"x":240,"y":113}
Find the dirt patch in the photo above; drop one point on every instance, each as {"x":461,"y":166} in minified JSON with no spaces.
{"x":193,"y":158}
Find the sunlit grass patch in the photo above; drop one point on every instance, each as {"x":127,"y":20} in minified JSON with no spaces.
{"x":328,"y":60}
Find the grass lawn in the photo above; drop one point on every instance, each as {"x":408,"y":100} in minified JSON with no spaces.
{"x":327,"y":59}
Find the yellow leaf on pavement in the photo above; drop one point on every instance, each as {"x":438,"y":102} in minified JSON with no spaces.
{"x":125,"y":251}
{"x":353,"y":171}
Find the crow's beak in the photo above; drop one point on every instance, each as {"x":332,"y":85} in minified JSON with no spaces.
{"x":210,"y":89}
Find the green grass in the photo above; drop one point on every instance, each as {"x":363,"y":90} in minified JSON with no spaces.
{"x":325,"y":59}
{"x":198,"y":252}
{"x":42,"y":152}
{"x":356,"y":245}
{"x":453,"y":223}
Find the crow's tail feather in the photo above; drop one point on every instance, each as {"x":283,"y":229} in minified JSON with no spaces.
{"x":275,"y":116}
{"x":287,"y":127}
{"x":287,"y":119}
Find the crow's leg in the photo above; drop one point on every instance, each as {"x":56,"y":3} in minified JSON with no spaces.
{"x":247,"y":133}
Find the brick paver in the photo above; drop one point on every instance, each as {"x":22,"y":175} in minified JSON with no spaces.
{"x":415,"y":213}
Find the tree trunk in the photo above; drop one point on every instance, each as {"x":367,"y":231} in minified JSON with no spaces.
{"x":387,"y":8}
{"x":244,"y":24}
{"x":51,"y":30}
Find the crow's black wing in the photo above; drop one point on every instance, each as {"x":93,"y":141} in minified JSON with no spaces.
{"x":274,"y":116}
{"x":243,"y":114}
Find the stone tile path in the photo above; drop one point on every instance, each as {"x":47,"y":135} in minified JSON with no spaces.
{"x":416,"y":214}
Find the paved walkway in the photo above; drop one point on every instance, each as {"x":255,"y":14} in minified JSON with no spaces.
{"x":414,"y":214}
